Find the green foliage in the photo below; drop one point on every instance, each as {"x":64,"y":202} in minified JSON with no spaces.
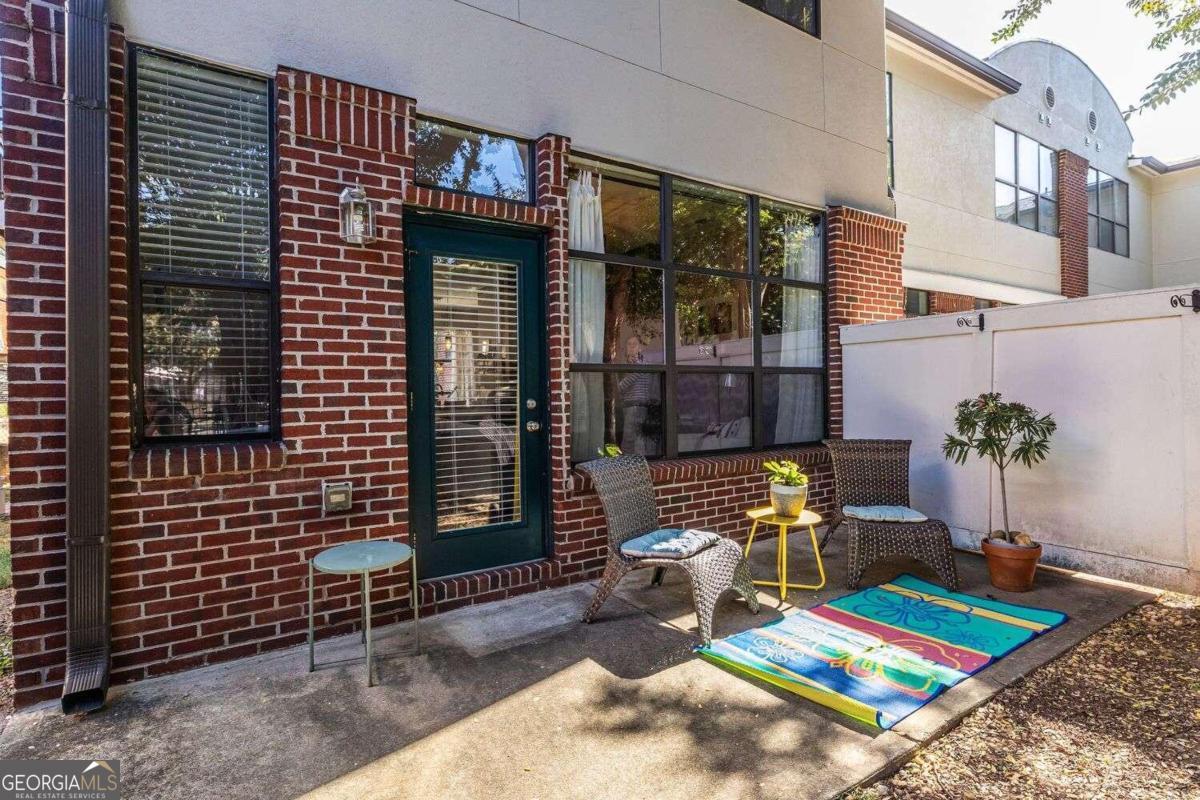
{"x":785,"y":473}
{"x":608,"y":450}
{"x":1002,"y":432}
{"x":1178,"y":23}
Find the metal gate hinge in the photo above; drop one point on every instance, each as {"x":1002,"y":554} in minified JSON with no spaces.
{"x":1187,"y":301}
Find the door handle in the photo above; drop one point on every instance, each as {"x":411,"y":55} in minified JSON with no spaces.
{"x":533,"y":426}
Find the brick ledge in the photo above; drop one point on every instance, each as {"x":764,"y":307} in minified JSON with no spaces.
{"x":699,"y":468}
{"x":198,"y":460}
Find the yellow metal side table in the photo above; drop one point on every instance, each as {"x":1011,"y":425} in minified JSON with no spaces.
{"x":767,"y":516}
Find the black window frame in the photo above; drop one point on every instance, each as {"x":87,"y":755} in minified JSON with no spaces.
{"x":1096,"y":217}
{"x":526,"y":144}
{"x":891,"y":131}
{"x":1015,"y":185}
{"x":137,"y":277}
{"x":816,"y":26}
{"x":669,"y":370}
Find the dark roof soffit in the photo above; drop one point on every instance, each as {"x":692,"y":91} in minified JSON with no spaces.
{"x":907,"y":29}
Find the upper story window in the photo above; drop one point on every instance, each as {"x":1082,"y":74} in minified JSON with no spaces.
{"x":891,"y":150}
{"x":803,"y":14}
{"x":697,"y":324}
{"x":1026,"y":182}
{"x":204,"y":315}
{"x":475,"y":162}
{"x":1108,"y":213}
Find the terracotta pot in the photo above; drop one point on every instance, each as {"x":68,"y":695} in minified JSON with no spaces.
{"x":1011,"y":566}
{"x":788,"y":501}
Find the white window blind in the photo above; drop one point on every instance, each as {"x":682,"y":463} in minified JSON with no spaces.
{"x":203,"y":183}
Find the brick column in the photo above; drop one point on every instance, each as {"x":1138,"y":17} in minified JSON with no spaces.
{"x":947,"y":303}
{"x":865,"y":283}
{"x":1072,"y":224}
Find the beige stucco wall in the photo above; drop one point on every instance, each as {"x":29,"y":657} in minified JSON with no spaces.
{"x":1175,"y":204}
{"x":711,"y":89}
{"x":945,"y":168}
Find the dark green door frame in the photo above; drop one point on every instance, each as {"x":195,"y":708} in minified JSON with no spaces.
{"x":473,"y":549}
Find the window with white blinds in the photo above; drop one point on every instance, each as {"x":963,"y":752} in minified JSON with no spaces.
{"x":206,"y":313}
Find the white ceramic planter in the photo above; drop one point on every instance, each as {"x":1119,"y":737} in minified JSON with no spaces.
{"x":788,"y":501}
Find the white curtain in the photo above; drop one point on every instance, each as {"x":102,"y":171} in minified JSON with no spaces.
{"x":799,"y":413}
{"x":586,"y":232}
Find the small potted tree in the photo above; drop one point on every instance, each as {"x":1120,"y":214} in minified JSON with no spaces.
{"x":1006,"y":433}
{"x":789,"y":487}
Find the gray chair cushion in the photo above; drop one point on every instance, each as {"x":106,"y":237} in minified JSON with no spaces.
{"x":884,"y":514}
{"x":669,"y":543}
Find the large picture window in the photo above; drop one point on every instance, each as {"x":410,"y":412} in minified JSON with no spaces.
{"x":204,"y":316}
{"x":802,"y":14}
{"x":1108,"y":213}
{"x":697,"y":316}
{"x":1026,"y":182}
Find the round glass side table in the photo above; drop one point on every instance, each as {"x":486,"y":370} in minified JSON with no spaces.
{"x":363,"y":558}
{"x":767,"y":516}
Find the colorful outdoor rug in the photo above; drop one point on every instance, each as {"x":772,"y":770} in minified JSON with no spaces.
{"x":880,"y":654}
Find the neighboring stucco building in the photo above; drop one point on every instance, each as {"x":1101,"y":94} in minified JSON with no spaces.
{"x":994,"y":162}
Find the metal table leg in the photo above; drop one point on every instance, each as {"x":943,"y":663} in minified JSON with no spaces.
{"x":311,"y":660}
{"x":367,"y":604}
{"x":416,"y":603}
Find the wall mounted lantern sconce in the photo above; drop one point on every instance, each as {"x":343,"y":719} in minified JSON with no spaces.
{"x":358,"y":216}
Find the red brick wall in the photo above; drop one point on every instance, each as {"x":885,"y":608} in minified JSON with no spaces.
{"x":947,"y":303}
{"x":1072,"y":224}
{"x":209,"y":543}
{"x":35,"y":201}
{"x":865,"y":283}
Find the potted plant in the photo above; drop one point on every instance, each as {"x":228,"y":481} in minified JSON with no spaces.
{"x":789,"y":487}
{"x":1006,"y":433}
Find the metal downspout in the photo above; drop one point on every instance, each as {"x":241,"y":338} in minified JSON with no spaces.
{"x":88,"y":644}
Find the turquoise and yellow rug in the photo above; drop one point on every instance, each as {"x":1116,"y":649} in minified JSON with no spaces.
{"x":880,"y":654}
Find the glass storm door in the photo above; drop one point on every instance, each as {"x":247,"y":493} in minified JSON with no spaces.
{"x":476,"y":379}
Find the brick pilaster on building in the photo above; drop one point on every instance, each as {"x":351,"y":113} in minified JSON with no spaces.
{"x":865,"y":283}
{"x":1072,"y":224}
{"x":948,"y":303}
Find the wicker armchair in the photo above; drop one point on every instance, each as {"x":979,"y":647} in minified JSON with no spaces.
{"x":874,"y":472}
{"x":627,"y":495}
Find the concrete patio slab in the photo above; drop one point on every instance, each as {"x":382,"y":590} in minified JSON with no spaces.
{"x":517,"y":699}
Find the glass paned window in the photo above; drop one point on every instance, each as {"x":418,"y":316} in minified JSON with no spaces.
{"x":717,"y":415}
{"x":709,"y":226}
{"x":465,"y":160}
{"x":713,"y":342}
{"x":916,"y":303}
{"x":789,"y":242}
{"x":1108,"y":213}
{"x":622,"y":408}
{"x":629,"y":200}
{"x":206,"y":288}
{"x":1028,"y":161}
{"x":712,"y":317}
{"x":1047,"y":216}
{"x":791,"y":326}
{"x":1048,"y":173}
{"x":620,"y":313}
{"x":793,"y":408}
{"x":1006,"y":202}
{"x":1026,"y":182}
{"x":802,"y":14}
{"x":1006,"y":155}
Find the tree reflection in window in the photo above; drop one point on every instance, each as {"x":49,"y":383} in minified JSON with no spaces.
{"x":476,"y":162}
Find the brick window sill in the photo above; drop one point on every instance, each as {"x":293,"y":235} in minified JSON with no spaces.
{"x":200,"y":460}
{"x":700,"y":468}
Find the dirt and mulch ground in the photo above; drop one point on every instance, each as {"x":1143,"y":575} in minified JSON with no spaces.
{"x":1117,"y":717}
{"x":6,"y":672}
